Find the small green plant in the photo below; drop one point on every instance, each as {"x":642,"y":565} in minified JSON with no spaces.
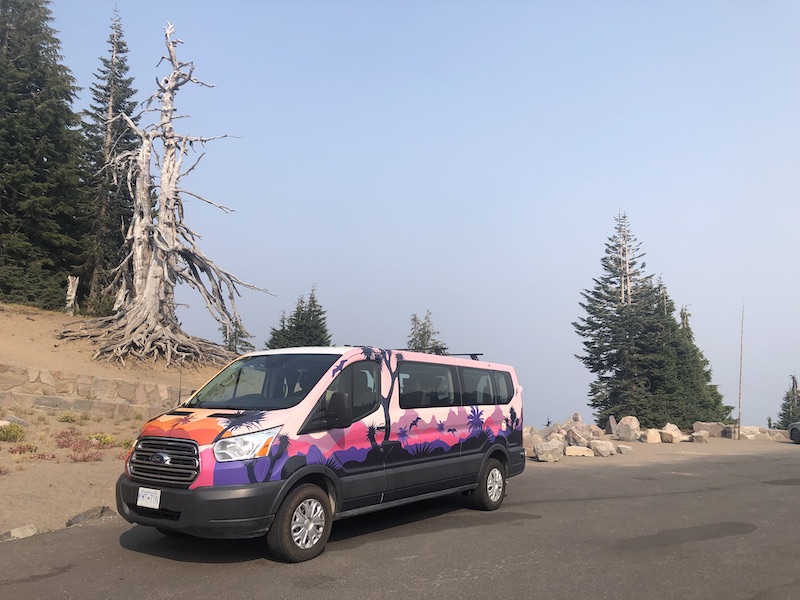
{"x":102,"y":440}
{"x":41,"y":419}
{"x":125,"y":443}
{"x":67,"y":418}
{"x":13,"y":432}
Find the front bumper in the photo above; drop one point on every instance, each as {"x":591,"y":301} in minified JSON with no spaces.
{"x":236,"y":511}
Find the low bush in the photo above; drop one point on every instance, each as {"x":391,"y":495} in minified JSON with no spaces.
{"x":13,"y":432}
{"x":102,"y":440}
{"x":85,"y":455}
{"x":23,"y":449}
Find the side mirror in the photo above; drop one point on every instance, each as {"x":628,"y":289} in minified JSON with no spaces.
{"x":340,"y":411}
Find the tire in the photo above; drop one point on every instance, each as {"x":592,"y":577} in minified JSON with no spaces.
{"x":491,"y":486}
{"x":302,"y":525}
{"x":795,"y":435}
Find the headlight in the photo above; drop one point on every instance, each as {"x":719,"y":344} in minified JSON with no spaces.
{"x":242,"y":447}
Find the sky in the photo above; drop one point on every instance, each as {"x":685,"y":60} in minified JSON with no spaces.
{"x":470,"y":157}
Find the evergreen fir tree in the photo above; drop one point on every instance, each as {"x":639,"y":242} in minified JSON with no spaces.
{"x":306,"y":326}
{"x":645,"y":363}
{"x":41,"y":224}
{"x":107,"y":137}
{"x":236,"y":341}
{"x":422,"y":337}
{"x":790,"y":408}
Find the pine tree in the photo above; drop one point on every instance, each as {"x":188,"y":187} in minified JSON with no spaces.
{"x":107,"y":137}
{"x":41,"y":221}
{"x":236,"y":340}
{"x":422,"y":337}
{"x":645,"y":363}
{"x":790,"y":409}
{"x":306,"y":326}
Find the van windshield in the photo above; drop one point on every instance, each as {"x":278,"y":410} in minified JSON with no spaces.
{"x":266,"y":382}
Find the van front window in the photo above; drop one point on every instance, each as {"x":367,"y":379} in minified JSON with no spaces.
{"x":264,"y":382}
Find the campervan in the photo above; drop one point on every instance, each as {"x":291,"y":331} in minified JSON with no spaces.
{"x":281,"y":443}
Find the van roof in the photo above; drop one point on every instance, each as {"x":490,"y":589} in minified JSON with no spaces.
{"x":408,"y":354}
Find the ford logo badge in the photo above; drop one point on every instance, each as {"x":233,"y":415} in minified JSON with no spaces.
{"x":160,"y":458}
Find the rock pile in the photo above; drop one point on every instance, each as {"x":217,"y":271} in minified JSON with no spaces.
{"x":575,"y":438}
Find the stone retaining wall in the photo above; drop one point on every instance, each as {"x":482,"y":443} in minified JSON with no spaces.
{"x":58,"y":390}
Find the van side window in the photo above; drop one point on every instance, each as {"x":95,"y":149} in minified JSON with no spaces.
{"x":361,"y":382}
{"x":503,"y":386}
{"x":423,"y":385}
{"x":476,"y":386}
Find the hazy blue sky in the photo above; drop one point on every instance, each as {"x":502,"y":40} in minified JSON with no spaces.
{"x":469,"y":158}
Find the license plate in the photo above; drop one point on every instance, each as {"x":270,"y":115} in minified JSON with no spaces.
{"x":148,"y":498}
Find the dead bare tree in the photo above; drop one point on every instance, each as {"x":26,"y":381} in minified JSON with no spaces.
{"x":162,"y":249}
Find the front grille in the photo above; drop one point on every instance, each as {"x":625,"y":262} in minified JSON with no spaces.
{"x":165,"y":461}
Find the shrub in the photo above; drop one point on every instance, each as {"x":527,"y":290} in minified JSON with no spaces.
{"x":3,"y":471}
{"x":13,"y":432}
{"x":67,"y":418}
{"x":23,"y":449}
{"x":67,"y":438}
{"x":102,"y":440}
{"x":85,"y":455}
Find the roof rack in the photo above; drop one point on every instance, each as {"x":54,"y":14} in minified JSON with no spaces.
{"x":472,"y":355}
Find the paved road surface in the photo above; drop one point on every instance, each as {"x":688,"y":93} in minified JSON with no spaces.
{"x":690,"y":525}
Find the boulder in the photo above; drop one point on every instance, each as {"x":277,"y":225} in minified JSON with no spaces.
{"x":602,"y":447}
{"x":630,"y":420}
{"x":611,"y":428}
{"x":670,"y":437}
{"x":700,"y":436}
{"x":652,"y":436}
{"x":623,"y":449}
{"x":529,"y":441}
{"x":575,"y":438}
{"x":549,"y":451}
{"x":556,"y":437}
{"x":628,"y":433}
{"x":674,"y":429}
{"x":713,"y":429}
{"x":578,"y":451}
{"x":596,"y":431}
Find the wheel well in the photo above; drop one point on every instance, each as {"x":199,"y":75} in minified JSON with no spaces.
{"x":321,"y":481}
{"x":502,"y":457}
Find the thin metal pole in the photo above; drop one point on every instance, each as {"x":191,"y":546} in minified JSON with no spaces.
{"x":741,"y":352}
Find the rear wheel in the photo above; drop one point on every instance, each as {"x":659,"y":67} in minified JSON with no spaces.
{"x":795,"y":435}
{"x":302,"y":524}
{"x":491,"y":486}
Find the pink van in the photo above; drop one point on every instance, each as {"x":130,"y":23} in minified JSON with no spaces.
{"x":283,"y":442}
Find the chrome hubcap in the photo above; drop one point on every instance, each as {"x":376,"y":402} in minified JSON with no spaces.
{"x":494,"y":485}
{"x":308,"y":523}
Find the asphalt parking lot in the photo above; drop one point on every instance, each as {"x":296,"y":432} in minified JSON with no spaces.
{"x":691,"y":521}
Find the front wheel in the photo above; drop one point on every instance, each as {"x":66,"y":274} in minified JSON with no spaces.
{"x":795,"y":435}
{"x":491,"y":486}
{"x":302,"y":525}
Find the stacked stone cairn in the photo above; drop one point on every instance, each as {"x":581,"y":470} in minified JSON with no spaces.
{"x":575,"y":438}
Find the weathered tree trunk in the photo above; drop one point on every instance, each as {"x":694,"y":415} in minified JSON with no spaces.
{"x":162,"y":250}
{"x":72,"y":292}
